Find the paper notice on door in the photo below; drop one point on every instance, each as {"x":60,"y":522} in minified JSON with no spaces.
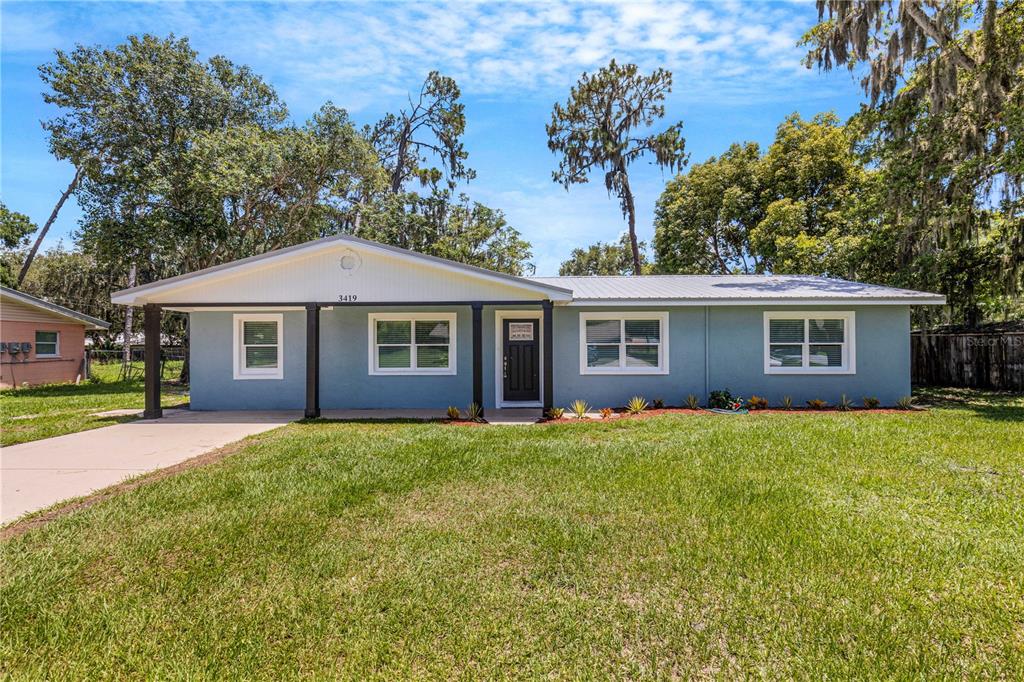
{"x":520,"y":331}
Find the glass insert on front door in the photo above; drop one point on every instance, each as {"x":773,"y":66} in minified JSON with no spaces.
{"x":520,"y":331}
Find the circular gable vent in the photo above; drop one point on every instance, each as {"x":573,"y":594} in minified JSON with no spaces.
{"x":349,"y":261}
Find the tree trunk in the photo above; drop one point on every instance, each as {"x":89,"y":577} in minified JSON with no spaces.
{"x":46,"y":227}
{"x":126,"y":358}
{"x":627,"y":197}
{"x":183,"y":377}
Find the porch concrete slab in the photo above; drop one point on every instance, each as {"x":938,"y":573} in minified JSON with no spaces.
{"x":41,"y":473}
{"x":514,"y":415}
{"x":383,"y":413}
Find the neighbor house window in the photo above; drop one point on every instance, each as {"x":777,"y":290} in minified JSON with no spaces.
{"x":412,"y":343}
{"x":808,"y":343}
{"x":47,"y":344}
{"x":259,"y":345}
{"x":623,"y":343}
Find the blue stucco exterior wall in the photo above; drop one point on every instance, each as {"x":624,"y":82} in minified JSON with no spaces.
{"x":882,"y":357}
{"x":734,"y":354}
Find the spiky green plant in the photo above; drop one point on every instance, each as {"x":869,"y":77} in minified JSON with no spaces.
{"x":579,"y":408}
{"x":475,"y":412}
{"x":844,"y":403}
{"x":693,"y":402}
{"x":636,"y":405}
{"x":906,"y":402}
{"x":453,"y":413}
{"x":787,"y":402}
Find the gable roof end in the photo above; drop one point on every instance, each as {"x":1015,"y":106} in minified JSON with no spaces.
{"x":139,"y":295}
{"x":90,"y":322}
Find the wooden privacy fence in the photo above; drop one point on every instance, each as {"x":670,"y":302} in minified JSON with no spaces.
{"x":975,"y":359}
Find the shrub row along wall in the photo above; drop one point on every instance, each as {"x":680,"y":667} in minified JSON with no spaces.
{"x":975,"y":359}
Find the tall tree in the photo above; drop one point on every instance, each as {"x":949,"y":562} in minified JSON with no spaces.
{"x":597,"y":129}
{"x":604,"y":259}
{"x":448,"y":227}
{"x":799,"y":208}
{"x":430,"y":128}
{"x":15,"y":229}
{"x":944,"y":122}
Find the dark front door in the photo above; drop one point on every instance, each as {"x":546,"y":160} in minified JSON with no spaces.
{"x":521,"y":362}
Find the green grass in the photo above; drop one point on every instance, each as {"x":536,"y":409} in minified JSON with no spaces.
{"x":827,"y":546}
{"x":28,"y":414}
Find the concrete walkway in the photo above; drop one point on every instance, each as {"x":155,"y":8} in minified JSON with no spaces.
{"x":37,"y":474}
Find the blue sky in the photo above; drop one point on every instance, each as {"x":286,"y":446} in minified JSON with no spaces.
{"x":736,"y":66}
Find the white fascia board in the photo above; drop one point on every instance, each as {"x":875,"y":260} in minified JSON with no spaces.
{"x":634,"y":302}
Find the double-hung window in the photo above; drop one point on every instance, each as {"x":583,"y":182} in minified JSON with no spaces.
{"x":624,"y":343}
{"x":47,"y":344}
{"x":259,"y":345}
{"x":412,"y":343}
{"x":809,"y":343}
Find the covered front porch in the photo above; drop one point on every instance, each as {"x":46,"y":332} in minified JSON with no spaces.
{"x":328,"y":364}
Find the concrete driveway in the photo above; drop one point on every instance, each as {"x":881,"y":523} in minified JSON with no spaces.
{"x":38,"y":474}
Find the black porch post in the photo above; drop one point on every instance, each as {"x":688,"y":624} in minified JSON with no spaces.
{"x":312,"y":361}
{"x":549,"y":335}
{"x":478,"y":355}
{"x":151,"y":328}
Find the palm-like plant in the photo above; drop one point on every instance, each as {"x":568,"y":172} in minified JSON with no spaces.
{"x":636,"y":405}
{"x":579,"y":408}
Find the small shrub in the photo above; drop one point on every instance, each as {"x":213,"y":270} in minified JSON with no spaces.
{"x":721,"y":400}
{"x":906,"y":402}
{"x":579,"y":408}
{"x":453,"y":413}
{"x":607,"y":412}
{"x":871,"y":402}
{"x":787,"y":402}
{"x":693,"y":402}
{"x":475,"y":413}
{"x":756,"y":402}
{"x":844,"y":404}
{"x":658,"y":403}
{"x":636,"y":405}
{"x":556,"y":413}
{"x":817,"y":404}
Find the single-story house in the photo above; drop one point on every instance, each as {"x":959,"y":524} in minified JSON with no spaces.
{"x":342,"y":322}
{"x":41,"y":342}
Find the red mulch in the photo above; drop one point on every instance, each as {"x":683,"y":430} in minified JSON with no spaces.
{"x":621,"y":413}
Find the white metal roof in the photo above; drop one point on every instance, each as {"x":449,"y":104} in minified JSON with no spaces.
{"x":732,"y":290}
{"x":89,"y":321}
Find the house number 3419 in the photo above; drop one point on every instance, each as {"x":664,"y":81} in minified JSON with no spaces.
{"x":347,"y":298}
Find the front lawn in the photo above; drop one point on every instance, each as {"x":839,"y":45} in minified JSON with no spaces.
{"x":811,"y":545}
{"x":43,"y":411}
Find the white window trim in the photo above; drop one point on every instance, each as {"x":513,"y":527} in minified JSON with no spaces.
{"x":622,"y":370}
{"x":412,"y":370}
{"x":56,"y":353}
{"x":240,"y":370}
{"x":849,"y":345}
{"x":499,"y":333}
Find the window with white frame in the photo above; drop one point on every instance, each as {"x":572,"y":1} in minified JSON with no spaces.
{"x":412,"y":343}
{"x":259,"y":346}
{"x":47,"y":344}
{"x":809,"y":343}
{"x":624,"y":343}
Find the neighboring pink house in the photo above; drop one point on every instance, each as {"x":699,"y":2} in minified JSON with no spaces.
{"x":40,"y":342}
